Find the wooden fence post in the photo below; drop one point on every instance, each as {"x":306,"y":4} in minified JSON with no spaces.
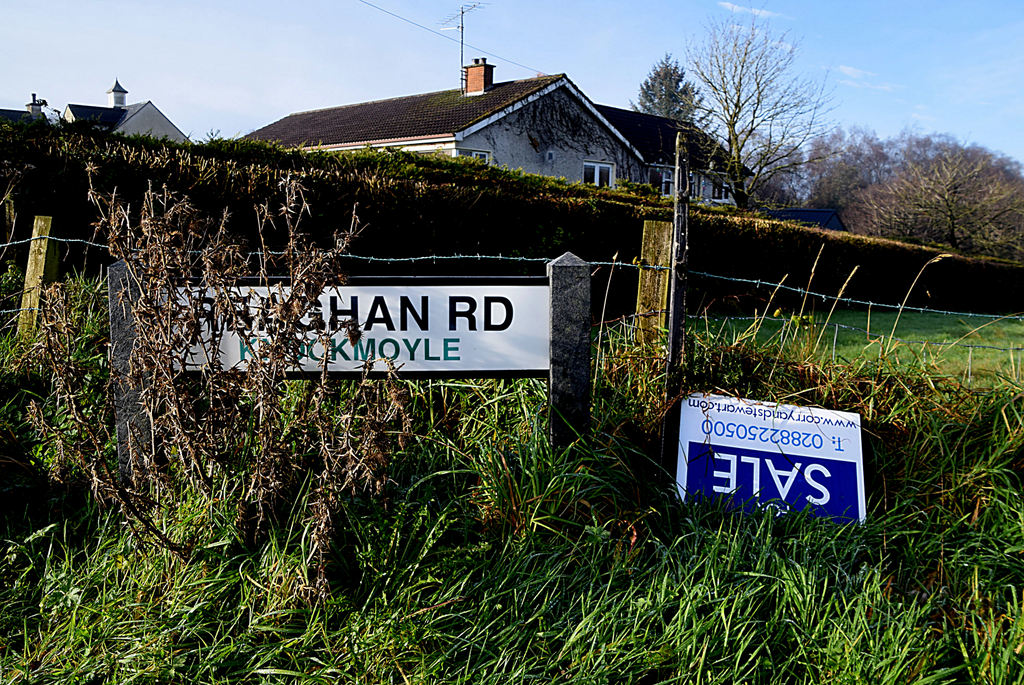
{"x":569,"y":377}
{"x":41,"y":268}
{"x":676,"y":309}
{"x":652,"y":288}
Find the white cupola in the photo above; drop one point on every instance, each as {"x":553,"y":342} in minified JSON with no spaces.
{"x":116,"y":96}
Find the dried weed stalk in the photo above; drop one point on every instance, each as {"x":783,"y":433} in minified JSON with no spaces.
{"x":255,"y":428}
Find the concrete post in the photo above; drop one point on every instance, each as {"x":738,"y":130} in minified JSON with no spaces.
{"x":569,"y":379}
{"x":132,"y":423}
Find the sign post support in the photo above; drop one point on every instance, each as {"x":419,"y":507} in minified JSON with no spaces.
{"x":569,"y":377}
{"x":131,"y":421}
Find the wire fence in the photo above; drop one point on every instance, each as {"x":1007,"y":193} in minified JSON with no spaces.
{"x":633,"y":318}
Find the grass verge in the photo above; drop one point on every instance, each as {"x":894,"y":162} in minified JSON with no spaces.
{"x":489,"y":557}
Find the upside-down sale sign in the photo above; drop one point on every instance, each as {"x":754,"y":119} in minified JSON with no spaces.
{"x":761,"y":454}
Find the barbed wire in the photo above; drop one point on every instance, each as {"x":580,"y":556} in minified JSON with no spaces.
{"x":849,"y":300}
{"x":636,"y":264}
{"x":25,"y":241}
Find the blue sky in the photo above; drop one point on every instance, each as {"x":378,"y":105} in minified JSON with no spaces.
{"x":232,"y":66}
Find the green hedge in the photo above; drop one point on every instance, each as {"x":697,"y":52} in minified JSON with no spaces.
{"x":410,"y":205}
{"x":753,"y":248}
{"x":415,"y":205}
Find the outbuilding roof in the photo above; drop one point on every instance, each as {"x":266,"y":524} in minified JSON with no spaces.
{"x":104,"y":116}
{"x":823,"y":218}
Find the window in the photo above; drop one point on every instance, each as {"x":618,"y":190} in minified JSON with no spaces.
{"x":661,"y":178}
{"x":695,"y":189}
{"x":717,"y":191}
{"x":599,"y":174}
{"x":482,"y":155}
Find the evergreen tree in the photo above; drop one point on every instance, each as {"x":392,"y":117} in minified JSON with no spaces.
{"x":666,"y":92}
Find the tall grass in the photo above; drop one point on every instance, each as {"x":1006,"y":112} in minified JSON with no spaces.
{"x":490,"y":557}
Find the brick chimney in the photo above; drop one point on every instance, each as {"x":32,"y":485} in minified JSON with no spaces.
{"x":479,"y":76}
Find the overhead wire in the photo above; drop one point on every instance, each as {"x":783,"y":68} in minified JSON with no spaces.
{"x":438,"y":33}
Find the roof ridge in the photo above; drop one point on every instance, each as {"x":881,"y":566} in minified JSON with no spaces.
{"x":417,"y":95}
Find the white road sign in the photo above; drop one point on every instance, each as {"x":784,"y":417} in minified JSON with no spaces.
{"x":420,"y":328}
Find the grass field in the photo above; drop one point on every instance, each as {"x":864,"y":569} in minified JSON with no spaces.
{"x":488,"y":557}
{"x":978,"y":350}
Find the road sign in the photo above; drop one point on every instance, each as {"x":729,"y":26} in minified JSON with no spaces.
{"x":761,"y":454}
{"x":421,"y":327}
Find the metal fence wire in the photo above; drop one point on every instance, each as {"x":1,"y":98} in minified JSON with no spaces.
{"x":630,"y":319}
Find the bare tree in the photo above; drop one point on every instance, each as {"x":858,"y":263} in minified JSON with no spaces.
{"x":756,"y":104}
{"x":844,"y":163}
{"x":965,"y":197}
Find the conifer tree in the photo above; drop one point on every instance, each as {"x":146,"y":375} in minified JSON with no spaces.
{"x":666,"y":92}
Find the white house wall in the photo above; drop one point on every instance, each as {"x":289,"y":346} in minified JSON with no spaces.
{"x":557,"y":124}
{"x":150,"y":121}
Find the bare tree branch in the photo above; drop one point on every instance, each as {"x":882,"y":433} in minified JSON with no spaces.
{"x":755,"y":103}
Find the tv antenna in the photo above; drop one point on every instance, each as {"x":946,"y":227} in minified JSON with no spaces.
{"x":460,"y":16}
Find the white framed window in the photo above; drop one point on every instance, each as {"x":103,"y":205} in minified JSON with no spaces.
{"x":600,"y":174}
{"x":482,"y":155}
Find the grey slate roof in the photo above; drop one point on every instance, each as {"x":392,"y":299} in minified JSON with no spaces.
{"x":108,"y":117}
{"x":413,"y":116}
{"x":14,"y":114}
{"x":655,"y":138}
{"x":117,"y":88}
{"x":105,"y":117}
{"x":823,"y":218}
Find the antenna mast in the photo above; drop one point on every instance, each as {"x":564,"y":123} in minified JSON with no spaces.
{"x":461,"y":28}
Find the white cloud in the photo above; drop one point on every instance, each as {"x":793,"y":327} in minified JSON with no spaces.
{"x":854,"y":72}
{"x":887,"y":87}
{"x":739,"y":9}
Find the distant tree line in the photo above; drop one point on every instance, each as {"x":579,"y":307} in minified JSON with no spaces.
{"x":927,"y":188}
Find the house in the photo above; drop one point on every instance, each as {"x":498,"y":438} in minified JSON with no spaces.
{"x":822,"y":218}
{"x":655,"y":138}
{"x":543,"y":125}
{"x":33,"y":110}
{"x":141,"y":118}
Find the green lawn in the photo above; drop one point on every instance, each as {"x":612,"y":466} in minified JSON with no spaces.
{"x":978,"y":350}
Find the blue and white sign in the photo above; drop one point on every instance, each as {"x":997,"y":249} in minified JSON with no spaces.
{"x":761,"y":454}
